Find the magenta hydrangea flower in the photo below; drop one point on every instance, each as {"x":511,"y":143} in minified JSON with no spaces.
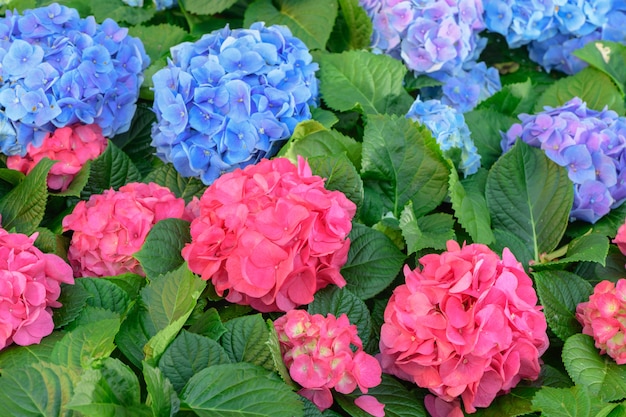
{"x":466,"y":326}
{"x":111,"y":227}
{"x":603,"y":318}
{"x":71,"y":146}
{"x":620,"y":239}
{"x":30,"y":284}
{"x":324,"y":353}
{"x":270,"y":235}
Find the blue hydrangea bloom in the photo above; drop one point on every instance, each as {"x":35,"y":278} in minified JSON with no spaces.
{"x":590,"y":144}
{"x":57,"y":69}
{"x":231,"y":98}
{"x":159,"y":4}
{"x":449,"y":129}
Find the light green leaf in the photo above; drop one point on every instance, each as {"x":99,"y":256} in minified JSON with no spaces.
{"x":608,"y":57}
{"x":512,"y":99}
{"x":312,"y":22}
{"x":337,"y":301}
{"x":530,"y":197}
{"x":160,"y":341}
{"x":203,"y":7}
{"x":120,"y":12}
{"x":185,"y":188}
{"x":187,"y":355}
{"x":130,"y":283}
{"x":22,"y":208}
{"x":590,"y":85}
{"x":560,"y":292}
{"x":373,"y":262}
{"x":340,"y":175}
{"x":599,"y":374}
{"x":586,"y":248}
{"x":158,"y":39}
{"x":470,"y":206}
{"x":486,"y":126}
{"x":277,"y":356}
{"x":15,"y":356}
{"x":564,"y":402}
{"x":360,"y":79}
{"x":240,"y":390}
{"x":401,"y":163}
{"x":161,"y":251}
{"x":112,"y":169}
{"x":246,"y":341}
{"x":162,"y":398}
{"x":431,"y":231}
{"x":518,"y":402}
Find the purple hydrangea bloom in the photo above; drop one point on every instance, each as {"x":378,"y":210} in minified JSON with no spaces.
{"x":449,"y":129}
{"x":590,"y":144}
{"x":57,"y":69}
{"x":231,"y":98}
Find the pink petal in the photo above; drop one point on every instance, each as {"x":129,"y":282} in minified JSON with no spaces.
{"x":370,"y":405}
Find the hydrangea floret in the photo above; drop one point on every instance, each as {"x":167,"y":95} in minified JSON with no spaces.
{"x":603,"y":318}
{"x":111,"y":227}
{"x":231,"y":98}
{"x":590,"y":144}
{"x":465,"y":325}
{"x":30,"y":285}
{"x":270,"y":235}
{"x":324,"y":354}
{"x":71,"y":147}
{"x":59,"y":70}
{"x":449,"y":129}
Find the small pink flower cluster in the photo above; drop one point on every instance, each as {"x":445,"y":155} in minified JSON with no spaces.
{"x":29,"y":287}
{"x":604,"y":318}
{"x":466,"y":325}
{"x":620,"y":238}
{"x":111,"y":227}
{"x":324,"y":353}
{"x":270,"y":235}
{"x":72,"y":147}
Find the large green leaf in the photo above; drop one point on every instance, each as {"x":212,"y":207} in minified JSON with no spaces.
{"x":573,"y":401}
{"x":470,"y":206}
{"x":112,"y":169}
{"x":23,"y":207}
{"x":560,"y":292}
{"x":185,"y":188}
{"x":360,"y":79}
{"x":518,"y":402}
{"x":15,"y":356}
{"x":158,"y":39}
{"x":312,"y":22}
{"x":203,"y":7}
{"x":430,"y":231}
{"x":598,"y":373}
{"x":240,"y":390}
{"x":104,"y":294}
{"x":162,"y":398}
{"x":401,"y":163}
{"x":188,"y":354}
{"x":587,"y":248}
{"x":209,"y":324}
{"x":337,"y":301}
{"x":373,"y":262}
{"x":120,"y":12}
{"x":608,"y":57}
{"x":246,"y":340}
{"x":134,"y":335}
{"x":73,"y":299}
{"x":353,"y":27}
{"x":161,"y":251}
{"x":486,"y":126}
{"x":136,"y":142}
{"x":530,"y":197}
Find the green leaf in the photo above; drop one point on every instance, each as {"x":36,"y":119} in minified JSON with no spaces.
{"x":518,"y":402}
{"x":158,"y":39}
{"x":185,"y":188}
{"x":530,"y":196}
{"x":337,"y":301}
{"x":277,"y":356}
{"x":246,"y":341}
{"x":401,"y":163}
{"x":240,"y":390}
{"x":340,"y":175}
{"x":560,"y":292}
{"x":399,"y":402}
{"x":161,"y":251}
{"x":73,"y":298}
{"x":312,"y":22}
{"x":39,"y":389}
{"x":470,"y":206}
{"x":15,"y":356}
{"x":203,"y":7}
{"x":104,"y":294}
{"x":573,"y":401}
{"x":112,"y":169}
{"x":209,"y":325}
{"x":608,"y":57}
{"x":22,"y":208}
{"x":373,"y":262}
{"x":512,"y":99}
{"x":187,"y":355}
{"x":120,"y":12}
{"x":136,"y":142}
{"x":599,"y":374}
{"x":160,"y":341}
{"x":134,"y":335}
{"x":360,"y":79}
{"x":162,"y":398}
{"x":130,"y":283}
{"x":586,"y":248}
{"x":486,"y":126}
{"x":353,"y":27}
{"x":591,"y":85}
{"x":431,"y":231}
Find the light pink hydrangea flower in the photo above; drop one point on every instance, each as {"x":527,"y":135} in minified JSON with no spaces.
{"x":620,"y":238}
{"x":466,"y":325}
{"x":112,"y":227}
{"x":324,"y":353}
{"x":270,"y":235}
{"x":30,"y":284}
{"x":72,"y":147}
{"x":603,"y":318}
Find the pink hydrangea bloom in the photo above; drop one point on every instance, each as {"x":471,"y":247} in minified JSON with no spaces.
{"x":270,"y":235}
{"x":29,"y":288}
{"x":466,"y":325}
{"x":324,"y":353}
{"x":620,"y":238}
{"x":111,"y":227}
{"x":72,"y":147}
{"x":603,"y":318}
